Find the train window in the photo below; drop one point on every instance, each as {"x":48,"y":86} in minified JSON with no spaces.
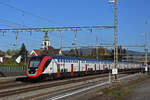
{"x":35,"y":61}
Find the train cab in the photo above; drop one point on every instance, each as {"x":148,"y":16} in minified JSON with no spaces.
{"x":36,"y":65}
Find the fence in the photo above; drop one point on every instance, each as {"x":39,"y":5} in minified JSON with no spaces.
{"x":12,"y":70}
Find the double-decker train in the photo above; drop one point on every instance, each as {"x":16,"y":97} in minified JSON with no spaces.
{"x":62,"y":66}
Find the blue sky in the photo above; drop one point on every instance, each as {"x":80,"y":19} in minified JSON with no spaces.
{"x":132,"y":16}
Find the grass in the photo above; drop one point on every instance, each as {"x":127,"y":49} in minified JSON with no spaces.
{"x":119,"y":94}
{"x":119,"y":91}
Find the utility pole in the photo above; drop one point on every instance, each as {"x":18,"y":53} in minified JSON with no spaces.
{"x":97,"y":48}
{"x":16,"y":33}
{"x":115,"y":69}
{"x":116,"y":37}
{"x":60,"y":40}
{"x":146,"y":47}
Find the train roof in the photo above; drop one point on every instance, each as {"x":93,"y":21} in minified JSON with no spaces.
{"x":82,"y":59}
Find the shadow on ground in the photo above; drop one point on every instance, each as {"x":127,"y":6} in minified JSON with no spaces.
{"x":2,"y":74}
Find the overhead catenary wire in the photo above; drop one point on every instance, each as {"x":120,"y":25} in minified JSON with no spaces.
{"x":13,"y":23}
{"x":5,"y":25}
{"x":69,"y":40}
{"x":29,"y":13}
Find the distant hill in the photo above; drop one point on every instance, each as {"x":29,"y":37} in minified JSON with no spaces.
{"x":135,"y":54}
{"x":83,"y":50}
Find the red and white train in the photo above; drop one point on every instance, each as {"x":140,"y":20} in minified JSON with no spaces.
{"x":61,"y":66}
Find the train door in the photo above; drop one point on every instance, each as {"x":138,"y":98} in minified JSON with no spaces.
{"x":95,"y":68}
{"x":99,"y":67}
{"x":86,"y":69}
{"x":72,"y":68}
{"x":58,"y":70}
{"x":104,"y":68}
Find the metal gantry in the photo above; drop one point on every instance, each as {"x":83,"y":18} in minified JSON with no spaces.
{"x":105,"y":45}
{"x":56,"y":29}
{"x":51,"y":29}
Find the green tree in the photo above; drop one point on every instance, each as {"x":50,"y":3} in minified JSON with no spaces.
{"x":23,"y":52}
{"x":121,"y":53}
{"x":93,"y":53}
{"x":131,"y":57}
{"x":76,"y":52}
{"x":81,"y":53}
{"x":8,"y":52}
{"x":71,"y":53}
{"x":12,"y":52}
{"x":11,"y":61}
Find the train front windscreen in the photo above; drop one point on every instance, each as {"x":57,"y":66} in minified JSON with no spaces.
{"x":34,"y":64}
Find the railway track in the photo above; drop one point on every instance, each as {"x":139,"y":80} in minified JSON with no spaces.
{"x":41,"y":86}
{"x":65,"y":90}
{"x":13,"y":84}
{"x":44,"y":85}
